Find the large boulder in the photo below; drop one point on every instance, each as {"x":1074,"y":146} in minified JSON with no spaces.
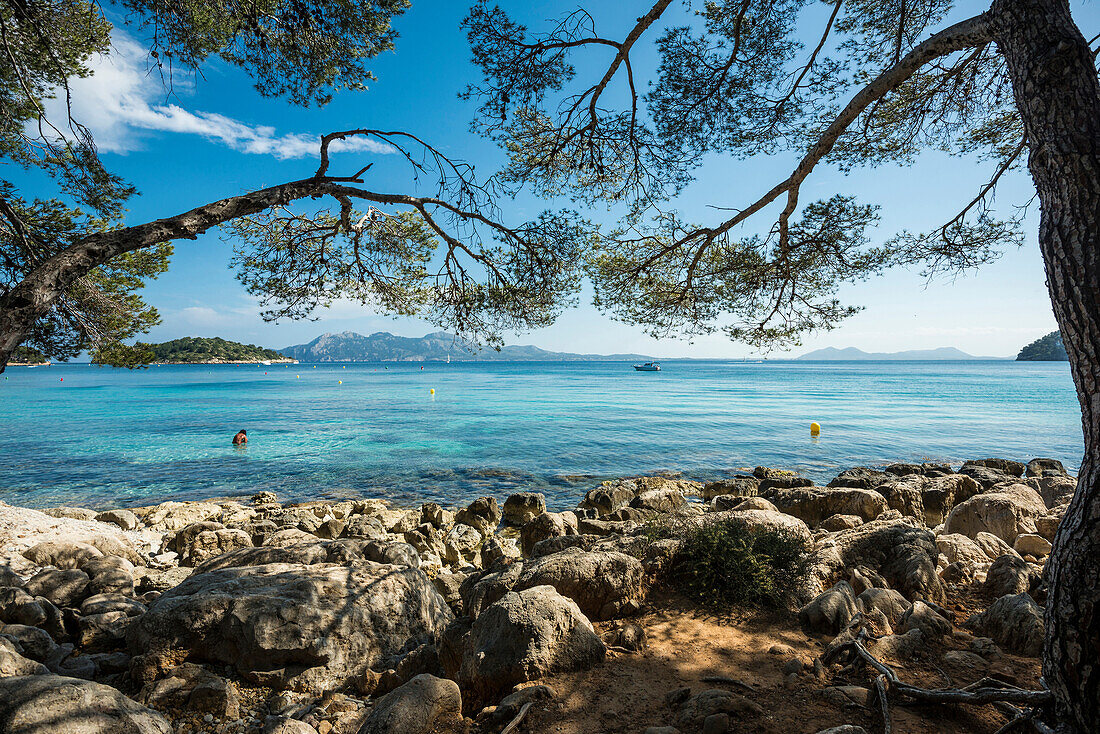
{"x":737,"y":487}
{"x":307,"y":627}
{"x":1010,"y":574}
{"x":993,"y":546}
{"x":544,"y":526}
{"x":1055,"y":490}
{"x":522,"y":507}
{"x":123,"y":518}
{"x":1015,"y":622}
{"x":177,"y":515}
{"x":985,"y":476}
{"x":756,"y":521}
{"x":462,"y":545}
{"x":604,"y":584}
{"x":19,"y":607}
{"x":1045,"y":468}
{"x":417,"y":707}
{"x":957,"y":548}
{"x":928,"y":499}
{"x":610,"y":496}
{"x":13,"y":663}
{"x":831,"y":610}
{"x":1032,"y":544}
{"x":483,"y":514}
{"x":898,"y":549}
{"x":1007,"y":466}
{"x":525,"y":636}
{"x":36,"y":643}
{"x":63,"y":542}
{"x":194,"y":688}
{"x":888,"y":601}
{"x":61,"y":554}
{"x":1005,"y":512}
{"x":922,"y":617}
{"x":50,"y":704}
{"x":860,"y":477}
{"x":212,"y":543}
{"x":478,"y":592}
{"x":658,"y":499}
{"x":814,"y":504}
{"x":64,"y":588}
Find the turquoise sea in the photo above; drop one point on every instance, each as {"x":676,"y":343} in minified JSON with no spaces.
{"x":97,"y":437}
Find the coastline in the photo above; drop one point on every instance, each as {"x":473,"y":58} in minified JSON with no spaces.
{"x":919,"y":552}
{"x":231,"y":361}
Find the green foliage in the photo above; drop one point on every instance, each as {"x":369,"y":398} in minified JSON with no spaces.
{"x":736,"y":79}
{"x":303,"y":50}
{"x":103,"y":307}
{"x":299,"y":49}
{"x":1045,"y":349}
{"x":26,"y":355}
{"x":722,"y":563}
{"x":115,"y":354}
{"x":188,"y":350}
{"x":521,"y":278}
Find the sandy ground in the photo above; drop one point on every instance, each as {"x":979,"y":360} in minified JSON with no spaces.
{"x":626,"y":693}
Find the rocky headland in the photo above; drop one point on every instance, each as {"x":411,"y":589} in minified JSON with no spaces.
{"x":357,"y":617}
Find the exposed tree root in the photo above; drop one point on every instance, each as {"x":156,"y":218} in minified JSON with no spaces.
{"x":984,"y":691}
{"x":514,"y":723}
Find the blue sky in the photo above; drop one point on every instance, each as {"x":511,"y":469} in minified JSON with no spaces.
{"x":215,"y":136}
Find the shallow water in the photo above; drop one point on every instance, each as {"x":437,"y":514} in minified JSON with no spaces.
{"x":95,"y":436}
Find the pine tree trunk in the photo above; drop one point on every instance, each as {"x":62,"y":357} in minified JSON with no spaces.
{"x":1056,"y":91}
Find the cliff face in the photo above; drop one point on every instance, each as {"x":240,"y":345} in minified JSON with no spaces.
{"x":436,"y":347}
{"x":1047,"y":349}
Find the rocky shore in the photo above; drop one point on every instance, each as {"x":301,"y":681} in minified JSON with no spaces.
{"x":357,"y":617}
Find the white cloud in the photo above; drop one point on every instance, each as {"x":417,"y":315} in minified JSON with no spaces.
{"x":964,"y":331}
{"x":118,"y":102}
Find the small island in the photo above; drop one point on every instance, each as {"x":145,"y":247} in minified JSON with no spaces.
{"x":215,"y":350}
{"x":27,"y":357}
{"x":1047,"y":349}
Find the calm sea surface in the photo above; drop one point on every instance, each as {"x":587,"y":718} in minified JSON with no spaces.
{"x":100,"y":437}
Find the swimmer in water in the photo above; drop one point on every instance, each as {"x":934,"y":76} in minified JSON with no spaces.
{"x":240,"y":439}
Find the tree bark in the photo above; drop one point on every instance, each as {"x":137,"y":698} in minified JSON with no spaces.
{"x":36,"y":294}
{"x":1055,"y":85}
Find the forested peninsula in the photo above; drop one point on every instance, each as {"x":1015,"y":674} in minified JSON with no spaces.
{"x":1046,"y":349}
{"x":201,"y":350}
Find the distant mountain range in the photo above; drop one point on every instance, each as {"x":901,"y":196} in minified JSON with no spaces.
{"x":851,"y":353}
{"x":385,"y":347}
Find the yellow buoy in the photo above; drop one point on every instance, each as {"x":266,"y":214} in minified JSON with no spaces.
{"x":815,"y":428}
{"x":339,"y":382}
{"x":432,"y":391}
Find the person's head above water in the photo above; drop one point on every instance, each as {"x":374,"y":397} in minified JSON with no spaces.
{"x":241,"y":437}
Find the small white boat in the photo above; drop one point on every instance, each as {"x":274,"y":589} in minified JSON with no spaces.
{"x":648,"y":367}
{"x":265,"y":362}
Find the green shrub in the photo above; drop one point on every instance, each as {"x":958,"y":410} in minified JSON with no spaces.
{"x":722,"y":563}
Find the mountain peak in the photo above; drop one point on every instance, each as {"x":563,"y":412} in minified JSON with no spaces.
{"x":438,"y":346}
{"x":852,"y":353}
